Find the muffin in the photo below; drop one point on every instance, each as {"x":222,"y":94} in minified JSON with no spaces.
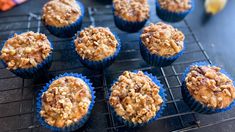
{"x":130,"y":15}
{"x":161,"y":44}
{"x":27,"y":54}
{"x":137,"y":98}
{"x":173,"y":10}
{"x":63,"y":18}
{"x":65,"y":103}
{"x":207,"y":89}
{"x":96,"y":47}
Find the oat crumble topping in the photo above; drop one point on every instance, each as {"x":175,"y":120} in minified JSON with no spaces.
{"x":135,"y":97}
{"x":162,"y":39}
{"x":132,"y":10}
{"x":66,"y":101}
{"x":61,"y":13}
{"x":95,"y":43}
{"x":210,"y":87}
{"x":175,"y":5}
{"x":25,"y":50}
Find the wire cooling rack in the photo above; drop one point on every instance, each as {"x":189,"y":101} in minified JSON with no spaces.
{"x":17,"y":96}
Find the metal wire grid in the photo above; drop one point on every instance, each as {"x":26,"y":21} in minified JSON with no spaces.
{"x":17,"y":96}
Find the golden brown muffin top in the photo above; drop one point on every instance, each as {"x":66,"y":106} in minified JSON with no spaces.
{"x":135,"y":97}
{"x":25,"y":50}
{"x":162,"y":39}
{"x":132,"y":10}
{"x":66,"y":101}
{"x":210,"y":87}
{"x":61,"y":13}
{"x":175,"y":5}
{"x":95,"y":43}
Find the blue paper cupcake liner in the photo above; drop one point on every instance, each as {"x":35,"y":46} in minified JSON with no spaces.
{"x":156,"y":60}
{"x":73,"y":126}
{"x":169,"y":16}
{"x":98,"y":65}
{"x":127,"y":26}
{"x":194,"y":104}
{"x":33,"y":72}
{"x":70,"y":30}
{"x":158,"y":114}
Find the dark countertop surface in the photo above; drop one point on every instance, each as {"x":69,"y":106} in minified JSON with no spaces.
{"x":215,"y":33}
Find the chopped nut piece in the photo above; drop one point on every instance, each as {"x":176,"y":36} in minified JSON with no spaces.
{"x":18,"y":50}
{"x":63,"y":103}
{"x":162,"y":39}
{"x":12,"y":52}
{"x":95,"y":43}
{"x":175,"y":5}
{"x":138,"y":104}
{"x":132,"y":10}
{"x":226,"y":91}
{"x":206,"y":86}
{"x":213,"y":102}
{"x":220,"y":98}
{"x":33,"y":62}
{"x":210,"y":75}
{"x":11,"y":64}
{"x":28,"y":50}
{"x":205,"y":98}
{"x":5,"y":50}
{"x":61,"y":13}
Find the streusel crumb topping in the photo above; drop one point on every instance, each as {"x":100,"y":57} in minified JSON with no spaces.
{"x":175,"y":5}
{"x":132,"y":10}
{"x":66,"y":101}
{"x":162,"y":39}
{"x":61,"y":13}
{"x":135,"y":97}
{"x":25,"y":50}
{"x":210,"y":87}
{"x":95,"y":43}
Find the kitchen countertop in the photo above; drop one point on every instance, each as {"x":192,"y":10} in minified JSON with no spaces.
{"x":216,"y":34}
